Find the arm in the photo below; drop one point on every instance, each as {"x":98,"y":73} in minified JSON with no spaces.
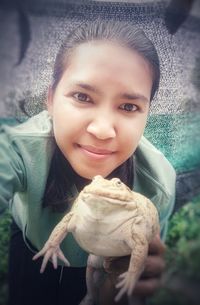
{"x":148,"y":283}
{"x":12,"y":177}
{"x":51,"y":249}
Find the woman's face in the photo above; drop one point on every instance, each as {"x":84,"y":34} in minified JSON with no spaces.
{"x":100,"y":107}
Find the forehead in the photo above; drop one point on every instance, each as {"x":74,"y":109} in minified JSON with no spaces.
{"x":103,"y":60}
{"x":105,"y":55}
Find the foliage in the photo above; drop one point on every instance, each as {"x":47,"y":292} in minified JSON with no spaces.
{"x":184,"y":241}
{"x":182,"y":276}
{"x":4,"y":241}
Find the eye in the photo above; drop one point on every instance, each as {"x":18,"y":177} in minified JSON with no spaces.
{"x":82,"y":97}
{"x":117,"y":182}
{"x":128,"y":107}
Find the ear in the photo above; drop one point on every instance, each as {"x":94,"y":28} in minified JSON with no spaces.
{"x":49,"y":101}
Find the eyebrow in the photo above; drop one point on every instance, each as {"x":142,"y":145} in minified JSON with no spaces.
{"x":134,"y":96}
{"x":128,"y":96}
{"x":88,"y":87}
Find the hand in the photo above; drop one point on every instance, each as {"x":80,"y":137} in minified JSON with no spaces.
{"x":149,"y":281}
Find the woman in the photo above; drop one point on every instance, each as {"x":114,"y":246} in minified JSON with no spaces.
{"x":105,"y":76}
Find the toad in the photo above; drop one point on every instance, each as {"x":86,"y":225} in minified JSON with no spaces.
{"x":107,"y":219}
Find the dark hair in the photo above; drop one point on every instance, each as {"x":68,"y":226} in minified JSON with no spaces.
{"x":61,"y":175}
{"x":115,"y":31}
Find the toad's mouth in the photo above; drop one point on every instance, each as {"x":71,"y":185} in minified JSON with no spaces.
{"x":116,"y":196}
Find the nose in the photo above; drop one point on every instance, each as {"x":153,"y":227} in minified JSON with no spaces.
{"x":102,"y":128}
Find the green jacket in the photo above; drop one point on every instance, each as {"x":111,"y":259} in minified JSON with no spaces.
{"x":25,"y":156}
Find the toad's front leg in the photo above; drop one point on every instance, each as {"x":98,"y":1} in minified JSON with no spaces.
{"x":51,"y":249}
{"x":128,"y":279}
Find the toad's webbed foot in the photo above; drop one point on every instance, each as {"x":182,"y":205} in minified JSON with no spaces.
{"x":51,"y":252}
{"x":126,"y":284}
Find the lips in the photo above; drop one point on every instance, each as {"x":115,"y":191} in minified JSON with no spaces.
{"x":96,"y":150}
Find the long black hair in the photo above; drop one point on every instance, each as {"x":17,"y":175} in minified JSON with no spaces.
{"x":61,"y":175}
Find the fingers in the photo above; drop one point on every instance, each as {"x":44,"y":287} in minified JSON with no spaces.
{"x":45,"y":261}
{"x":120,"y":264}
{"x":126,"y":285}
{"x":51,"y":254}
{"x":157,"y":246}
{"x":54,"y":260}
{"x":122,"y":278}
{"x":63,"y":258}
{"x":36,"y":256}
{"x":120,"y":294}
{"x":122,"y":285}
{"x":154,"y":267}
{"x":150,"y":279}
{"x":155,"y":262}
{"x":145,"y":288}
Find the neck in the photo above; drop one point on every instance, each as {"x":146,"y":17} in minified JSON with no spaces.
{"x":80,"y":182}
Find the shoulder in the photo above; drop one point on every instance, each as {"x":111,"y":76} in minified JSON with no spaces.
{"x":31,"y":142}
{"x":38,"y":125}
{"x":155,"y":178}
{"x":155,"y":166}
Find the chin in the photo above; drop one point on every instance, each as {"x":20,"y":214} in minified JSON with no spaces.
{"x":91,"y":174}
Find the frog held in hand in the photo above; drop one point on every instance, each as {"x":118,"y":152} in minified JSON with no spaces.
{"x":107,"y":220}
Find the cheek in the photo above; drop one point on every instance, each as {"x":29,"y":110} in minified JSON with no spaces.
{"x":128,"y":145}
{"x":130,"y":136}
{"x":66,"y":122}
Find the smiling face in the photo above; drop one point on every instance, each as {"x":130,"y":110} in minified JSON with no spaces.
{"x":100,"y":107}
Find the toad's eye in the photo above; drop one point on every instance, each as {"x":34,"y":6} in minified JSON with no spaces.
{"x":81,"y":97}
{"x":118,"y":183}
{"x":128,"y":107}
